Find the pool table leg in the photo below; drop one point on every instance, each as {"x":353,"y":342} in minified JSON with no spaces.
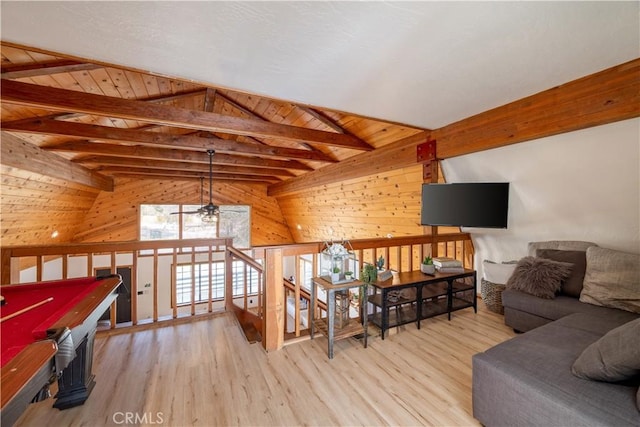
{"x":77,"y":380}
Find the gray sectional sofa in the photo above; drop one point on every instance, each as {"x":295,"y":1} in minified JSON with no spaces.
{"x":539,"y":377}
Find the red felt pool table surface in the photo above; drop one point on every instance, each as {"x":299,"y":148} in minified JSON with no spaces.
{"x":31,"y":326}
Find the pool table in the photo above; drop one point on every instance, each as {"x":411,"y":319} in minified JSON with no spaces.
{"x":48,"y":329}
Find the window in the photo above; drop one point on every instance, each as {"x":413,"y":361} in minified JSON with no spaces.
{"x":184,"y":288}
{"x":164,"y":222}
{"x":156,"y":222}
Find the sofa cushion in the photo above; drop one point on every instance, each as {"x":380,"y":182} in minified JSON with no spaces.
{"x":612,"y":279}
{"x":563,"y":245}
{"x":559,"y":307}
{"x":527,"y":380}
{"x":614,"y":357}
{"x":573,"y":285}
{"x":539,"y":276}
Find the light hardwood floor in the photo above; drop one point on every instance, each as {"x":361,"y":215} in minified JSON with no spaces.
{"x":204,"y":373}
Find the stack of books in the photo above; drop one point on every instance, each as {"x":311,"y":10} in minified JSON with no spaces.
{"x":448,"y":265}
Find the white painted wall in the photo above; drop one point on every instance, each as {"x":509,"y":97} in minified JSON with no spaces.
{"x":581,"y":185}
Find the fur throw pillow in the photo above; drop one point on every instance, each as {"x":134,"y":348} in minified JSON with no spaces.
{"x":539,"y":276}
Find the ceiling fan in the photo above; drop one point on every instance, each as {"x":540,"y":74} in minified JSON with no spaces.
{"x":208,"y":213}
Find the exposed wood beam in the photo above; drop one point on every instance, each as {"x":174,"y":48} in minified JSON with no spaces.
{"x":133,"y":173}
{"x":250,"y":113}
{"x":605,"y":97}
{"x":154,"y":153}
{"x":155,"y":99}
{"x":17,"y":71}
{"x":105,"y":133}
{"x":66,"y":100}
{"x":320,"y":116}
{"x":100,"y":161}
{"x":328,"y":121}
{"x":26,"y":156}
{"x":198,"y":171}
{"x":209,"y":100}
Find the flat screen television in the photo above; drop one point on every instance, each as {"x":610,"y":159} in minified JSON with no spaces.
{"x":477,"y":204}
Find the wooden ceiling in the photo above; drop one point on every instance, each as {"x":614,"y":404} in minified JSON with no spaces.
{"x":122,"y":122}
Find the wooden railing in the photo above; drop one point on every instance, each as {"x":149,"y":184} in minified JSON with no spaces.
{"x":249,"y":267}
{"x":400,"y":254}
{"x":152,"y":265}
{"x":153,"y":273}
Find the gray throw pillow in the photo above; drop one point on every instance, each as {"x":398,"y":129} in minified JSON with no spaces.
{"x":614,"y":357}
{"x":539,"y":276}
{"x":612,"y":279}
{"x":573,"y":285}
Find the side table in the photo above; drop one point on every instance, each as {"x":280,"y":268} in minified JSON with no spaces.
{"x":327,"y":325}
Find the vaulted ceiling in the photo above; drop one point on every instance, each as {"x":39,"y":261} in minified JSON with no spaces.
{"x":427,"y":64}
{"x":120,"y":122}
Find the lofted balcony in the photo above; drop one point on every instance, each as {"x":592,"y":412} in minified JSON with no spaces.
{"x":268,"y":287}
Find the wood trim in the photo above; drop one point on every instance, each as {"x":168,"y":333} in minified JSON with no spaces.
{"x":23,"y":155}
{"x":20,"y":369}
{"x":15,"y":92}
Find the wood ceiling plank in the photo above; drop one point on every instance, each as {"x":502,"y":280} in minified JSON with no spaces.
{"x":24,"y":155}
{"x":106,"y":133}
{"x":390,"y":157}
{"x":65,"y":100}
{"x":103,"y":80}
{"x":137,"y":84}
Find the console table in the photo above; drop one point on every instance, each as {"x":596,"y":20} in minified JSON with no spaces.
{"x":412,"y":296}
{"x":327,"y":325}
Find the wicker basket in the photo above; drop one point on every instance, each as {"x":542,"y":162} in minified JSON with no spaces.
{"x":492,"y":295}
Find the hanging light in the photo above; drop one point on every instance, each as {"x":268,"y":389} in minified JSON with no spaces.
{"x":208,"y":219}
{"x":209,"y":213}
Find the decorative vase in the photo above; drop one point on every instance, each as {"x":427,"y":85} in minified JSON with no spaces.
{"x":428,"y":268}
{"x":335,"y":277}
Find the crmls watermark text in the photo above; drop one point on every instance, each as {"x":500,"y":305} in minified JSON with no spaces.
{"x":138,"y":418}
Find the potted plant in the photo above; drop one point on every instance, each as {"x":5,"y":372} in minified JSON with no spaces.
{"x":335,"y":275}
{"x":369,"y":273}
{"x":348,"y":275}
{"x":380,"y":263}
{"x":427,"y":266}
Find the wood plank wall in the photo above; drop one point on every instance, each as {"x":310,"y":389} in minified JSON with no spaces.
{"x":34,"y":205}
{"x":114,"y":216}
{"x":378,"y":205}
